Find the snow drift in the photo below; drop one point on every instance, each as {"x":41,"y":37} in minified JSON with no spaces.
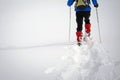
{"x":90,"y":61}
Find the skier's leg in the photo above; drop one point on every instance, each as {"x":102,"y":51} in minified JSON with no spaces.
{"x":87,"y":23}
{"x":79,"y":20}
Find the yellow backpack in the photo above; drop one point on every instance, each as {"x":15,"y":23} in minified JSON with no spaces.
{"x":81,"y":3}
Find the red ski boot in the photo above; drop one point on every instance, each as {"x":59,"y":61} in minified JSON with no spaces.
{"x":87,"y":34}
{"x":88,"y":29}
{"x":79,"y":37}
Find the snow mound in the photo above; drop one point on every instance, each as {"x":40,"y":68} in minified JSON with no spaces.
{"x":90,"y":61}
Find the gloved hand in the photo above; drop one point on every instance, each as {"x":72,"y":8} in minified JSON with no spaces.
{"x":96,"y":5}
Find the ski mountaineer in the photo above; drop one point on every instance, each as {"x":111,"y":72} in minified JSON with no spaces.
{"x":83,"y":11}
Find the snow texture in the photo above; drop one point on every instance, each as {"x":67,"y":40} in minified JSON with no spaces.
{"x":90,"y":61}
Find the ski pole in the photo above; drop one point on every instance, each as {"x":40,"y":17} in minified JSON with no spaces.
{"x":98,"y":25}
{"x":69,"y":23}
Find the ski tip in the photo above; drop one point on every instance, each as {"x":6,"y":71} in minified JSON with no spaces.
{"x":79,"y":44}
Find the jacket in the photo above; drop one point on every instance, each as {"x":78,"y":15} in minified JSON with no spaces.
{"x":88,"y":8}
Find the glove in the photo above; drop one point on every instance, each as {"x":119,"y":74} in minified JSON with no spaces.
{"x":96,"y":5}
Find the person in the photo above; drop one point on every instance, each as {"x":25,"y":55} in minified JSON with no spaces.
{"x":82,"y":13}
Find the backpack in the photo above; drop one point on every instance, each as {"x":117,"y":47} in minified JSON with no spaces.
{"x":82,"y":3}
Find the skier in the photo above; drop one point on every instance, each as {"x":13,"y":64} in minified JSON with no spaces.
{"x":83,"y":10}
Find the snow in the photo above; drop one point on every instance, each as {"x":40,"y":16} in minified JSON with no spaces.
{"x":90,"y":61}
{"x":87,"y":62}
{"x":34,"y":42}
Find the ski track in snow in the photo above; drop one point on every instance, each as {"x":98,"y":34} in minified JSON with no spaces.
{"x":87,"y":62}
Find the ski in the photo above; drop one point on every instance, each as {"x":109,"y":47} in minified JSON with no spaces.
{"x":86,"y":39}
